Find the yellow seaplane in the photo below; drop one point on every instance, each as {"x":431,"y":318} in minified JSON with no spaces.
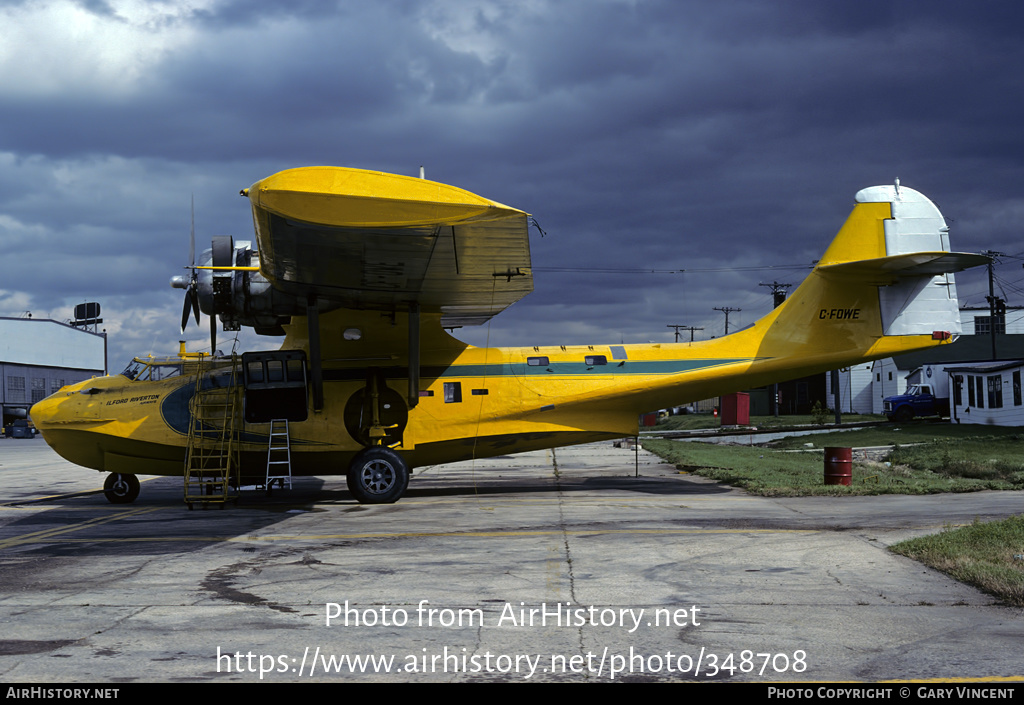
{"x":363,"y":272}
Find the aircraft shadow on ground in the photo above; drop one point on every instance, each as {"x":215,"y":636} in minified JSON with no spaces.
{"x":170,"y":527}
{"x":645,"y":485}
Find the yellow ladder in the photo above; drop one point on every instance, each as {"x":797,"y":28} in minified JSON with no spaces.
{"x":212,"y":453}
{"x":279,"y":455}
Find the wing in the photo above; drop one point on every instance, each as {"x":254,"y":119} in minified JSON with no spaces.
{"x":370,"y":240}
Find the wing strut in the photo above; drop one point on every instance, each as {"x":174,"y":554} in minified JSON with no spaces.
{"x":316,"y":375}
{"x":414,"y":354}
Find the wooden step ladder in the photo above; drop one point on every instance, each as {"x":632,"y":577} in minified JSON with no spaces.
{"x":279,"y":455}
{"x":212,"y":454}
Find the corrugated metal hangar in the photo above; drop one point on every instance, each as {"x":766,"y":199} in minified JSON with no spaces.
{"x":39,"y":356}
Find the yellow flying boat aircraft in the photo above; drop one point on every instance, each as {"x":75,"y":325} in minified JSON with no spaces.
{"x":363,"y":271}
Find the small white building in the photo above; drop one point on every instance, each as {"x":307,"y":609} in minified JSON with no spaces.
{"x":854,"y":389}
{"x":888,"y":378}
{"x":976,"y":321}
{"x":987,"y":393}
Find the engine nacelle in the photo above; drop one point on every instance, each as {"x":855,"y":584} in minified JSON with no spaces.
{"x":239,"y":297}
{"x":242,"y":298}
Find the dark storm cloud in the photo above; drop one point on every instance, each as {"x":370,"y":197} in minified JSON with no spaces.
{"x":670,"y":134}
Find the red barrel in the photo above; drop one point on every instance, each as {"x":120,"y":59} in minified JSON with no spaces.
{"x":838,"y":466}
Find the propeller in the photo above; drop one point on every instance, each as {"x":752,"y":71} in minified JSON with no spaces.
{"x":191,"y":288}
{"x":217,"y":288}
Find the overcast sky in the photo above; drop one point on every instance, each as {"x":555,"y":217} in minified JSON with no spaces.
{"x":642,"y":134}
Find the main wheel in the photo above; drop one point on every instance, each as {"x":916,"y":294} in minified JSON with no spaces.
{"x":121,"y":488}
{"x":378,"y":475}
{"x":904,"y":414}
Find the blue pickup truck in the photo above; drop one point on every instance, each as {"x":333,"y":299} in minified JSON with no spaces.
{"x":920,"y":400}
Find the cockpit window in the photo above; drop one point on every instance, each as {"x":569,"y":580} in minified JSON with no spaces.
{"x":133,"y":369}
{"x":157,"y":372}
{"x":141,"y":372}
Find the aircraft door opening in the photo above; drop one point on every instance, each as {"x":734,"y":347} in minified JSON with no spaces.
{"x":275,"y":386}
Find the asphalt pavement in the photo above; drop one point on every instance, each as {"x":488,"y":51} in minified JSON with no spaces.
{"x":576,"y":564}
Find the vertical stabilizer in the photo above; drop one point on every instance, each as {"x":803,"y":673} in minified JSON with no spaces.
{"x":917,"y":303}
{"x":884,"y":286}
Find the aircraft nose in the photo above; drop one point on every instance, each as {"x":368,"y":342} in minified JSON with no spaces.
{"x":43,"y":412}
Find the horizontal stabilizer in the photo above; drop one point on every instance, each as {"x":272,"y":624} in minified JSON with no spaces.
{"x":910,"y":264}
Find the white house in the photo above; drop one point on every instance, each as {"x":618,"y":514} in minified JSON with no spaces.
{"x":987,"y":393}
{"x":861,"y":393}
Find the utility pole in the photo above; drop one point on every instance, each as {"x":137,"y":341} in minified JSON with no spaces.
{"x":726,"y":310}
{"x":778,"y":292}
{"x":835,"y":397}
{"x":778,"y":297}
{"x":679,"y":328}
{"x":995,"y":304}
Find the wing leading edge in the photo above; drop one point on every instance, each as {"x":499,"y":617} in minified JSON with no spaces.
{"x":370,"y":240}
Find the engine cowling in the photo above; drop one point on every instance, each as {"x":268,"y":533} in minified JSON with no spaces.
{"x":239,"y":297}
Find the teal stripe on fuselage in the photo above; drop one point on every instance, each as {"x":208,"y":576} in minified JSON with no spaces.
{"x":563,"y":369}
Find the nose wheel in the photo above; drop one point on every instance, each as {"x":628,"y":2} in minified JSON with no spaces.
{"x":121,"y":488}
{"x":378,"y":475}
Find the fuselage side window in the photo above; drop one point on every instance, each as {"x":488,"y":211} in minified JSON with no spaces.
{"x":452,"y":392}
{"x":255,"y":372}
{"x":275,"y":371}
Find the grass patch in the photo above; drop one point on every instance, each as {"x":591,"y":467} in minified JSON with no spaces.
{"x":997,"y":458}
{"x":982,"y":554}
{"x":696,"y":422}
{"x":892,"y":434}
{"x":962,"y":466}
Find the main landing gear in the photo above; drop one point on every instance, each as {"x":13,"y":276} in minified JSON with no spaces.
{"x":378,"y":475}
{"x":121,"y":488}
{"x":376,"y":416}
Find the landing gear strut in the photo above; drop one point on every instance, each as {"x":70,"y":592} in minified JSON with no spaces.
{"x":121,"y":488}
{"x":378,"y":475}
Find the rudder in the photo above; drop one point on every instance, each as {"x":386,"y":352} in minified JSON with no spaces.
{"x":884,"y":286}
{"x":897,"y":239}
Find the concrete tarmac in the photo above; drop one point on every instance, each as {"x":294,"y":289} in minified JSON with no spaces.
{"x":548,"y":566}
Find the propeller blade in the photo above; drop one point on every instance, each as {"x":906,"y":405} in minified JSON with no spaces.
{"x":213,"y":335}
{"x":184,"y":312}
{"x":193,"y":296}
